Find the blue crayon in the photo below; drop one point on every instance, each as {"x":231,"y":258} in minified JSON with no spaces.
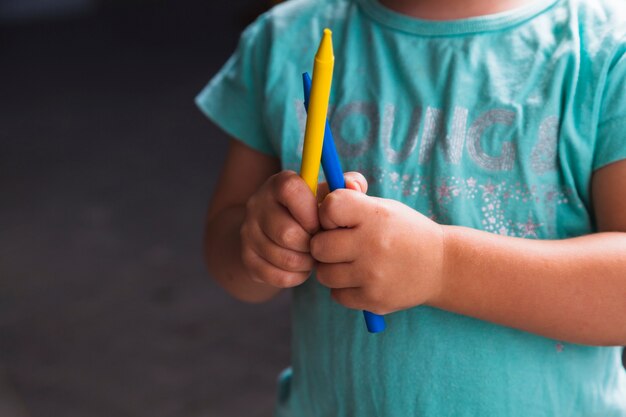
{"x":334,"y":176}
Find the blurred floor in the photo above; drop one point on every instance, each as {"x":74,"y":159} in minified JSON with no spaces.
{"x":105,"y":170}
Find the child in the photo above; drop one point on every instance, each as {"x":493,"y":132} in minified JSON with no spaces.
{"x":486,"y":214}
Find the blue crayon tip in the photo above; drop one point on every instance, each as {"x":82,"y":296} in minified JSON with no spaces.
{"x":374,"y":322}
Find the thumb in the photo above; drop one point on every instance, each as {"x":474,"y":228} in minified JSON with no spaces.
{"x":355,"y":181}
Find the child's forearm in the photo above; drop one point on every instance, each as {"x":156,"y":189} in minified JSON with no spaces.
{"x":223,"y":257}
{"x":572,"y":290}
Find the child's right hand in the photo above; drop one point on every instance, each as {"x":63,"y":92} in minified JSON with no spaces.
{"x":281,"y":217}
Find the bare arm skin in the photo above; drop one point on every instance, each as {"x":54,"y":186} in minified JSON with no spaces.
{"x":572,"y":290}
{"x":244,"y":171}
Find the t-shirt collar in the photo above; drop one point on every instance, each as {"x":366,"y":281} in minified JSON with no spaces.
{"x":491,"y":22}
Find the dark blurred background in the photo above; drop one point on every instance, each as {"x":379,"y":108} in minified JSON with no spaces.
{"x":106,"y":167}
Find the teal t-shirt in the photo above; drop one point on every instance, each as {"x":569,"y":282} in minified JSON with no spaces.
{"x":495,"y":123}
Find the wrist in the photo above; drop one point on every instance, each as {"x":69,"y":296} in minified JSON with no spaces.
{"x":445,"y":267}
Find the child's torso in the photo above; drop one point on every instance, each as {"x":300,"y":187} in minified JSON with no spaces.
{"x":492,"y":129}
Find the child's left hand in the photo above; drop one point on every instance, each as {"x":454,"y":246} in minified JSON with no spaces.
{"x":377,"y":254}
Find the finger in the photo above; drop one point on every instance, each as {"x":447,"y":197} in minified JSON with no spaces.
{"x":292,"y":192}
{"x":262,"y":271}
{"x":340,"y":275}
{"x":343,"y":208}
{"x":280,"y":257}
{"x":334,"y":246}
{"x":356,"y":181}
{"x":359,"y":299}
{"x":322,"y":191}
{"x":282,"y":229}
{"x":349,"y":297}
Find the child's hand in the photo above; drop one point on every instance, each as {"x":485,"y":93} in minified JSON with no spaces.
{"x":377,"y":254}
{"x":280,"y":219}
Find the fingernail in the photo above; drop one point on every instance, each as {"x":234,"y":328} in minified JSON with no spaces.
{"x":354,"y":185}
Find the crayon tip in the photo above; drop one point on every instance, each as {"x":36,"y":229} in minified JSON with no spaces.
{"x":325,"y":50}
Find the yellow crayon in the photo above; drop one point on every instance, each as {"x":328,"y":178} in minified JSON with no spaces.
{"x":318,"y":107}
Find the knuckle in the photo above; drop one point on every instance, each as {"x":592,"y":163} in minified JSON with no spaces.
{"x":375,"y":276}
{"x":279,"y":178}
{"x":289,"y":237}
{"x":284,"y":175}
{"x":287,"y":185}
{"x":386,"y":243}
{"x":387,"y":237}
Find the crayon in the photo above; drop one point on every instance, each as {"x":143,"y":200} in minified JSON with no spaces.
{"x":315,"y":121}
{"x":334,"y":176}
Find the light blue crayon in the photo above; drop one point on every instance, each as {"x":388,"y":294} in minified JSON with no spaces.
{"x":334,"y":176}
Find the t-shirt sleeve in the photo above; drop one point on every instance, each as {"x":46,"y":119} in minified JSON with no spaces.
{"x":234,"y":97}
{"x":611,"y":133}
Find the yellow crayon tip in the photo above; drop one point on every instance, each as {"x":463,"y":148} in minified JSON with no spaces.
{"x":325,"y":50}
